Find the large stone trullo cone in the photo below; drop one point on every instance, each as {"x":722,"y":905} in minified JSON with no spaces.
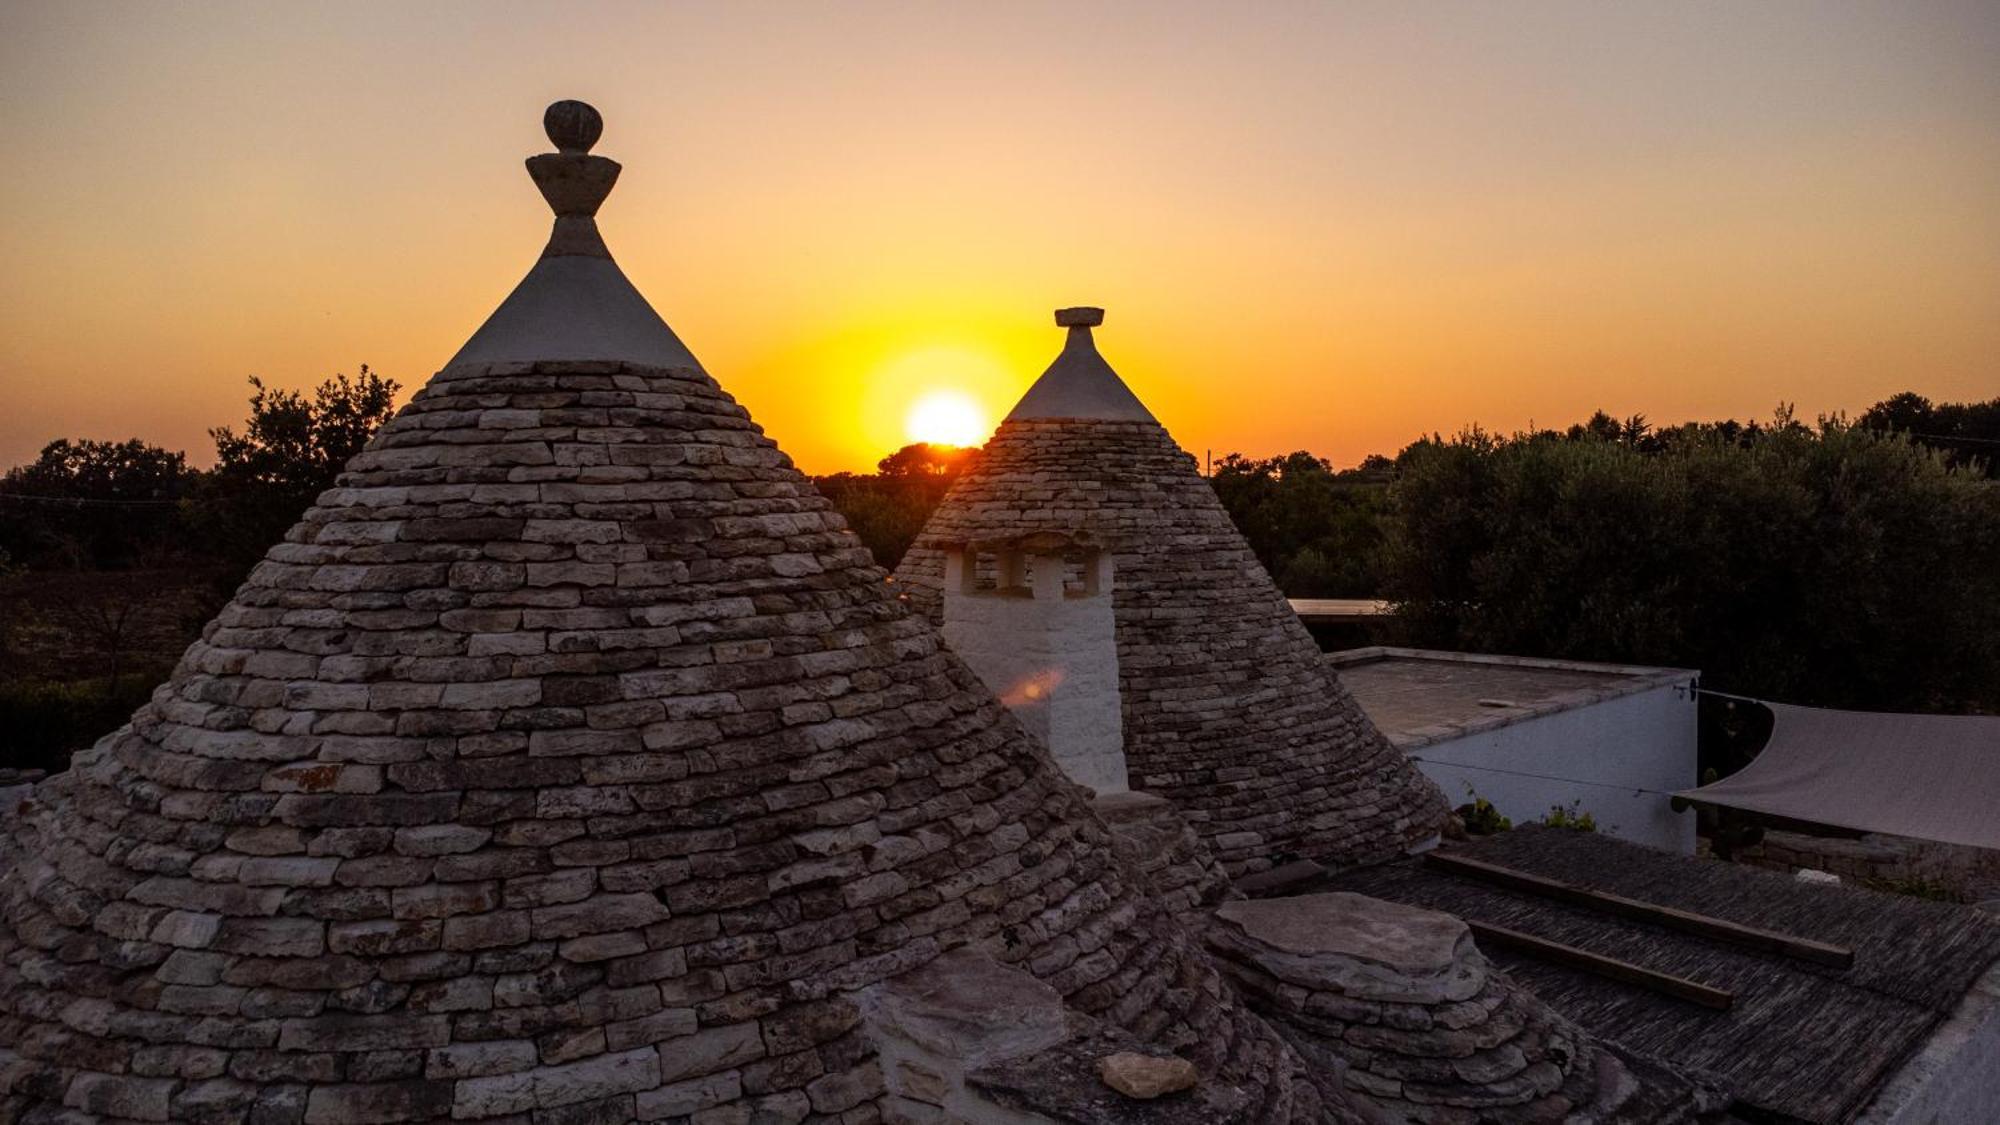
{"x":569,"y":761}
{"x":1228,"y":708}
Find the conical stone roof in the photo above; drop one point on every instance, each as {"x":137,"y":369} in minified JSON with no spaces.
{"x":569,"y":761}
{"x":1228,"y":708}
{"x":1080,"y":384}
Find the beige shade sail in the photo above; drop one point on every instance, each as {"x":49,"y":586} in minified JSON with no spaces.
{"x":1931,"y":777}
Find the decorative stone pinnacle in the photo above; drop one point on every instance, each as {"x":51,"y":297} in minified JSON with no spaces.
{"x":573,"y":126}
{"x":1082,"y":316}
{"x":574,"y":182}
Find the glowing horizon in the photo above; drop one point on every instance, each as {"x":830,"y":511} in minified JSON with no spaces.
{"x":1322,"y":228}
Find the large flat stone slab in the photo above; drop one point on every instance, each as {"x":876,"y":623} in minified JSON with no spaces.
{"x":1353,"y":946}
{"x":1400,"y":937}
{"x":970,"y":1008}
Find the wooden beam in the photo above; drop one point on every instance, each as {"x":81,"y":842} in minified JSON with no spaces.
{"x":1687,"y":921}
{"x":1339,"y":611}
{"x":1555,"y":952}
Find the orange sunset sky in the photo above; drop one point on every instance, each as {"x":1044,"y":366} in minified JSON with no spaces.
{"x":1326,"y":226}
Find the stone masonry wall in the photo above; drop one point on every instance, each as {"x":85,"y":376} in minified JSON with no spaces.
{"x":1970,"y":874}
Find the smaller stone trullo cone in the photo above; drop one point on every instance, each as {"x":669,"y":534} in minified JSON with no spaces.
{"x":569,"y":761}
{"x":1229,"y":709}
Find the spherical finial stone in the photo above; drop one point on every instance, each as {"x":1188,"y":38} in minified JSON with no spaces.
{"x":1082,"y":316}
{"x":573,"y":126}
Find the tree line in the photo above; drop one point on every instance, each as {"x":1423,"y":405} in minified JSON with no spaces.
{"x":1840,"y":564}
{"x":116,"y":505}
{"x":114,"y":553}
{"x":1849,"y":563}
{"x":1846,"y":562}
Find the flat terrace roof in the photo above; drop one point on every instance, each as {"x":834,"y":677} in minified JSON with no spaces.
{"x":1423,"y":696}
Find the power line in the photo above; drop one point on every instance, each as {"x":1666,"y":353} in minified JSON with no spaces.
{"x":80,"y":501}
{"x":1938,"y":437}
{"x":1732,"y":698}
{"x":1630,"y":789}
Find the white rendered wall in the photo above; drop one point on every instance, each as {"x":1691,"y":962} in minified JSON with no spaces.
{"x":1052,"y":658}
{"x":1615,"y":758}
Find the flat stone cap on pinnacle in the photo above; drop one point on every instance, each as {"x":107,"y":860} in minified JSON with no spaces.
{"x":1079,"y":384}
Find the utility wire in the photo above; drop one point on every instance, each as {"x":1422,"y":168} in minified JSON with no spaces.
{"x":1939,"y":437}
{"x":1634,"y":790}
{"x":85,"y":500}
{"x":1734,"y":698}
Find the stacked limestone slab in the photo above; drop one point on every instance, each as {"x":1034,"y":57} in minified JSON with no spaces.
{"x":1228,"y":709}
{"x":1157,"y":843}
{"x":568,"y":762}
{"x":1424,"y":1027}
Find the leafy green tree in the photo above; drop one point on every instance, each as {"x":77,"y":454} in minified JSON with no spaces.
{"x":1634,"y":431}
{"x":93,"y":504}
{"x":1903,"y":413}
{"x":922,"y":460}
{"x":1314,"y":529}
{"x":1829,"y":564}
{"x":291,"y":449}
{"x":888,"y":508}
{"x":1968,"y":433}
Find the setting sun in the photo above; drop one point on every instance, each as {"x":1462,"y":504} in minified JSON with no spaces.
{"x":947,"y":417}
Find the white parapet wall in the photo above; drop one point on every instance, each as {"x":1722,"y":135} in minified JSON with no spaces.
{"x":1531,"y":735}
{"x":1615,"y":759}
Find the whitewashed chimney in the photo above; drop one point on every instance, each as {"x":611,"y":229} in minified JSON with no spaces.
{"x":1033,"y":618}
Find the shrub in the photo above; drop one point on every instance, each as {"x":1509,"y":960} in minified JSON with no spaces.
{"x":1481,"y":818}
{"x":1569,"y":816}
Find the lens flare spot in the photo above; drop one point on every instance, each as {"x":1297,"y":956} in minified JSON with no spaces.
{"x":1033,"y":688}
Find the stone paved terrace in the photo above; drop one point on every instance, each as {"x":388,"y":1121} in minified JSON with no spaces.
{"x":1421,"y":696}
